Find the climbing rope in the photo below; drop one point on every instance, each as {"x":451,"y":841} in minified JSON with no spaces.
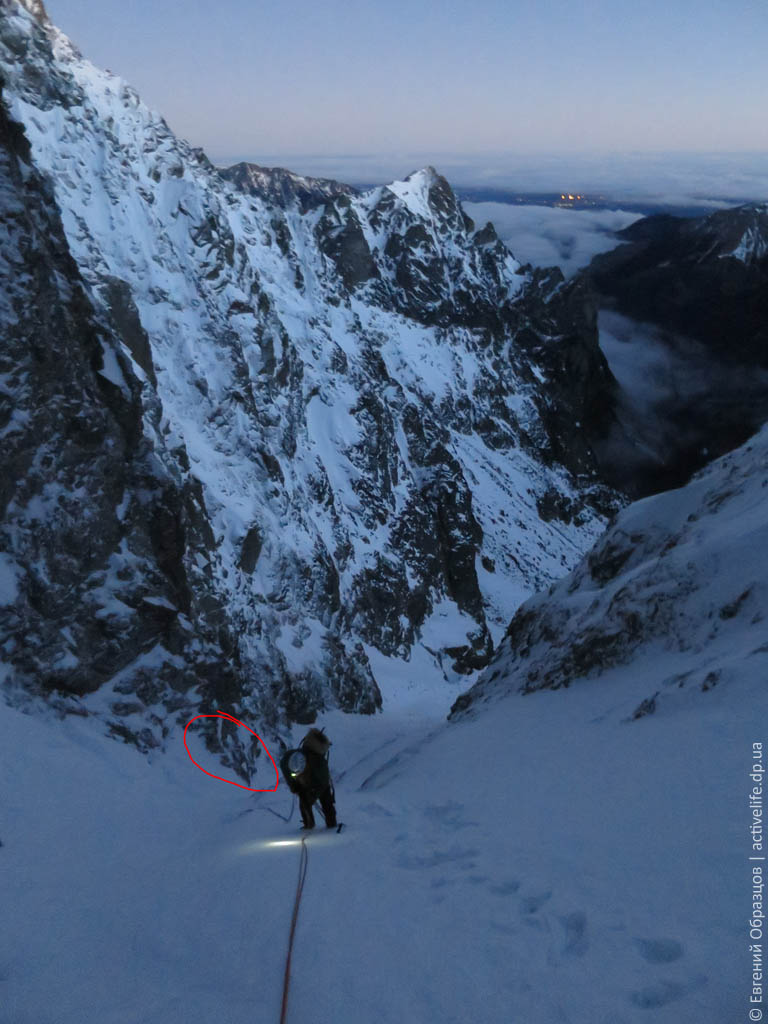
{"x":303,"y":861}
{"x":299,"y":890}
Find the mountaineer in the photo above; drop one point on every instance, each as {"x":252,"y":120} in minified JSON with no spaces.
{"x":308,"y":776}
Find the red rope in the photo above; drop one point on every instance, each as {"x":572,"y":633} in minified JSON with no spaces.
{"x":299,"y":890}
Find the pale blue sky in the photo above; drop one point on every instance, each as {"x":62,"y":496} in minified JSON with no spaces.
{"x":278,"y":81}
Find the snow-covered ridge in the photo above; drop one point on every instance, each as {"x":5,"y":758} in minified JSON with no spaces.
{"x":371,"y":406}
{"x":283,"y":187}
{"x":747,"y":227}
{"x":753,"y":245}
{"x":677,"y":585}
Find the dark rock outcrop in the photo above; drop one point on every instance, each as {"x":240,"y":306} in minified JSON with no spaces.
{"x":703,"y":277}
{"x":101,"y":544}
{"x":692,"y":292}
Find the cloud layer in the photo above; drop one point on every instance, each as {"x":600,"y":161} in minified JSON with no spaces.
{"x":675,"y":179}
{"x":678,"y":406}
{"x":550,"y":236}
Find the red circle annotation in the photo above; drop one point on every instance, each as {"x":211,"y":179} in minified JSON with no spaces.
{"x":231,"y":718}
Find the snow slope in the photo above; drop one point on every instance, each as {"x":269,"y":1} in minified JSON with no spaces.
{"x":572,"y":847}
{"x":547,"y":862}
{"x":679,"y":579}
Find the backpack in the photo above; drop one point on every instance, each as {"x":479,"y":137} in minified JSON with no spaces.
{"x":293,"y":765}
{"x":305,"y":770}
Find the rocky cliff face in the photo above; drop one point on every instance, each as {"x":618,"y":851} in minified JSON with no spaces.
{"x":103,"y":542}
{"x":676,"y":588}
{"x":309,"y":447}
{"x":694,"y":291}
{"x":704,"y":277}
{"x":283,"y":188}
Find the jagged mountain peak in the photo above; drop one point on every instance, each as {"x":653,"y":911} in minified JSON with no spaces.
{"x":427,"y":195}
{"x":35,"y":7}
{"x":353,"y":467}
{"x":740,"y":232}
{"x":428,"y":174}
{"x":409,"y":246}
{"x":283,"y":187}
{"x":421,"y":181}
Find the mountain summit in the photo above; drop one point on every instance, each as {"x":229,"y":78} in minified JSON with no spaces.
{"x":285,"y":456}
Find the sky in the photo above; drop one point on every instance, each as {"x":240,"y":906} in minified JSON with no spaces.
{"x":487,"y":85}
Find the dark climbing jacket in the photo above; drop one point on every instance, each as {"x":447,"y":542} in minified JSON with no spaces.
{"x":315,"y":775}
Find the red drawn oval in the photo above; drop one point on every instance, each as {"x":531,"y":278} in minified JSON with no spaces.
{"x":231,"y":718}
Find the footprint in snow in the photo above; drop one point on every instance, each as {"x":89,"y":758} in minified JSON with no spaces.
{"x":575,"y":925}
{"x":530,"y":904}
{"x":441,"y":882}
{"x":506,"y":888}
{"x":376,"y":810}
{"x":432,"y":860}
{"x":659,"y":951}
{"x":449,"y":815}
{"x":662,"y":992}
